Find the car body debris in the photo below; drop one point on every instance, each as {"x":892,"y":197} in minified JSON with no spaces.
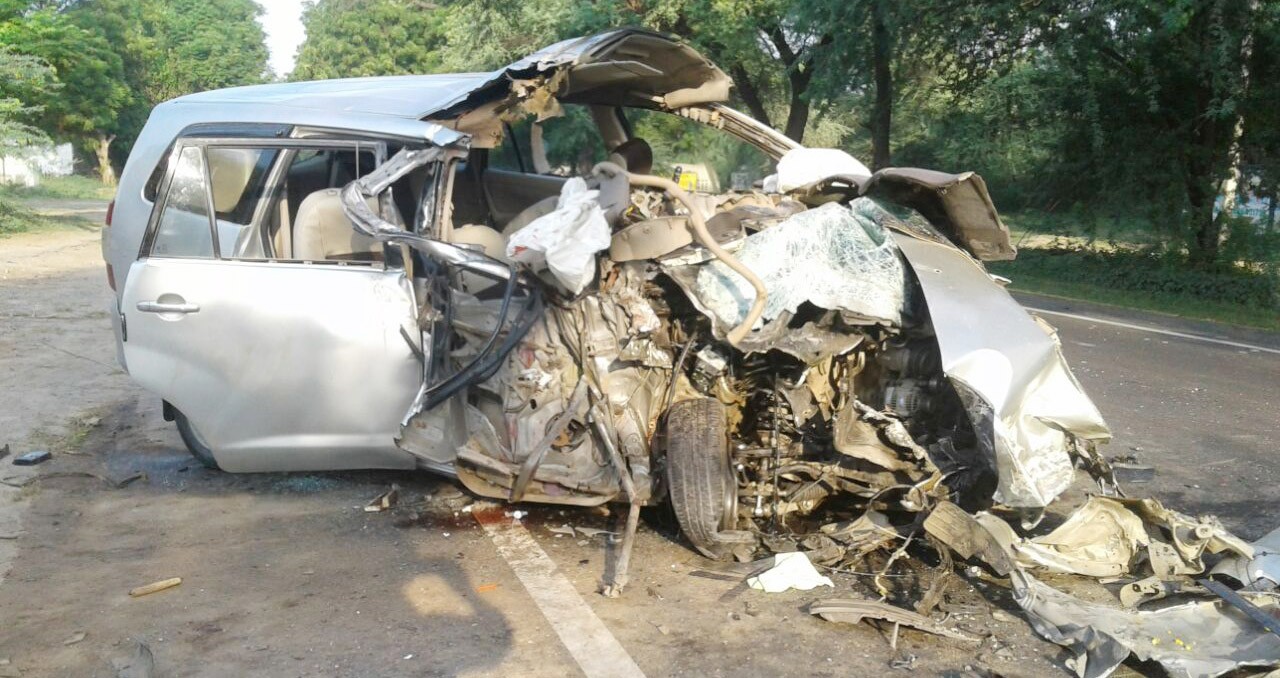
{"x":852,"y":611}
{"x":384,"y":501}
{"x":789,"y":571}
{"x":32,"y":458}
{"x":1191,"y":634}
{"x":1198,"y":638}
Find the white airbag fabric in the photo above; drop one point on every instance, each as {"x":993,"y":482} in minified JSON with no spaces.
{"x":566,"y":240}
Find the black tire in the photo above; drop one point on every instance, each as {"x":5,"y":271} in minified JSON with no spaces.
{"x":195,"y":444}
{"x":699,"y":479}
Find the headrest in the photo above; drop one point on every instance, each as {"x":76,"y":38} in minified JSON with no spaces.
{"x":636,"y":156}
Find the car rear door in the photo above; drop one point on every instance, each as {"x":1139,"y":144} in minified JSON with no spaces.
{"x":278,"y":363}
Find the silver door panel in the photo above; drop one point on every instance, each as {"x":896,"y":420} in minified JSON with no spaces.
{"x":280,"y":367}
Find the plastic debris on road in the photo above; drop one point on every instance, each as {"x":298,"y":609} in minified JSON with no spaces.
{"x":789,"y":571}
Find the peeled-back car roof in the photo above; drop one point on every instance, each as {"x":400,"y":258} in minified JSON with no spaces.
{"x":406,"y":96}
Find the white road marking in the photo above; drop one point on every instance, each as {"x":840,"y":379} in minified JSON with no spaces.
{"x":588,"y":640}
{"x":1155,"y":330}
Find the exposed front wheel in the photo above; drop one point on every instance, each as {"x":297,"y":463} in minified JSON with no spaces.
{"x":699,"y":477}
{"x":191,"y":438}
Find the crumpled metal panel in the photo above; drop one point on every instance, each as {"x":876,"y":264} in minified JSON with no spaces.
{"x":1263,"y":568}
{"x":992,"y":348}
{"x":1192,"y":640}
{"x":829,"y":256}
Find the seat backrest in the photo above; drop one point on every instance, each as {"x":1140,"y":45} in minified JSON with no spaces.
{"x":634,"y":155}
{"x":323,"y":231}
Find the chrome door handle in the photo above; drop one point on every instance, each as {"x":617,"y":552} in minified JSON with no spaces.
{"x":160,"y":307}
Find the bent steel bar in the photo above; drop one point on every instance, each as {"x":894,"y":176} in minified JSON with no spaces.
{"x":354,"y":203}
{"x":364,"y":219}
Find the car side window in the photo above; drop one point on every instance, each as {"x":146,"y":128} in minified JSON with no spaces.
{"x":183,"y":229}
{"x":570,"y":144}
{"x":238,"y":177}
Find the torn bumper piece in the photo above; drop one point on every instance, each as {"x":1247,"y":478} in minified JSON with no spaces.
{"x":1192,"y":640}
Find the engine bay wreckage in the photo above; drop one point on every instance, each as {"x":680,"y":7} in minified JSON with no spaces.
{"x":818,"y":364}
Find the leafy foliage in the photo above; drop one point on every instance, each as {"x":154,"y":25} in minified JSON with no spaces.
{"x":1146,"y":270}
{"x":351,"y":38}
{"x":20,"y":75}
{"x":112,"y":60}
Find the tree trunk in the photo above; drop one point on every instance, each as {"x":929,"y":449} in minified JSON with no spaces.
{"x":1271,"y":210}
{"x":882,"y":110}
{"x":105,"y":171}
{"x":799,"y":74}
{"x":750,"y":94}
{"x":1231,"y":185}
{"x":798,"y":116}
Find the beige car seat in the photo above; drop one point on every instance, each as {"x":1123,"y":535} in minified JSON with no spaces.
{"x":490,"y":241}
{"x":323,"y":231}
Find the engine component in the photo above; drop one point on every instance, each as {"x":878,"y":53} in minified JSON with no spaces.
{"x":908,"y":397}
{"x":709,"y":364}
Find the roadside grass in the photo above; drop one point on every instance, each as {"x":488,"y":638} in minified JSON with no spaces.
{"x":72,"y":436}
{"x":1173,"y":305}
{"x":1057,"y":257}
{"x":74,"y":187}
{"x":16,"y":218}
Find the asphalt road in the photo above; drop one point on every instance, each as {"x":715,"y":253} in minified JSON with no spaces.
{"x":1206,"y":415}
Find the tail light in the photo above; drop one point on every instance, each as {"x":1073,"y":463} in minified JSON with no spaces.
{"x":111,"y":273}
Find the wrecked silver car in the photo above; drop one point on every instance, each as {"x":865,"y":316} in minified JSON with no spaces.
{"x":337,"y":275}
{"x":393,"y":273}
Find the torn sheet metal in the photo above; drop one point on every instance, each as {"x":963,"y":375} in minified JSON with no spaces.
{"x":994,"y":350}
{"x":1180,"y":541}
{"x":825,"y":256}
{"x":852,"y":611}
{"x":649,"y":65}
{"x":1262,"y":571}
{"x":1192,"y":640}
{"x":870,"y":531}
{"x":991,"y":540}
{"x":957,"y":203}
{"x":1100,"y":539}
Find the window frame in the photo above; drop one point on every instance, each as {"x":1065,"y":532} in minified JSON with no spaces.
{"x":273,"y":185}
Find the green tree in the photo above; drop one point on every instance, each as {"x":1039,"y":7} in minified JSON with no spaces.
{"x":200,"y":45}
{"x":350,"y":38}
{"x":22,"y":77}
{"x":85,"y":108}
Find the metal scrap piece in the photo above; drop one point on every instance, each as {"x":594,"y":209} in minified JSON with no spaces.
{"x":1101,"y":539}
{"x":852,"y":611}
{"x":1267,"y":620}
{"x":1260,"y":572}
{"x":968,"y":537}
{"x":1147,"y":590}
{"x":1192,"y":640}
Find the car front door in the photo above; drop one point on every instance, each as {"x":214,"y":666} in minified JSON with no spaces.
{"x":288,"y":341}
